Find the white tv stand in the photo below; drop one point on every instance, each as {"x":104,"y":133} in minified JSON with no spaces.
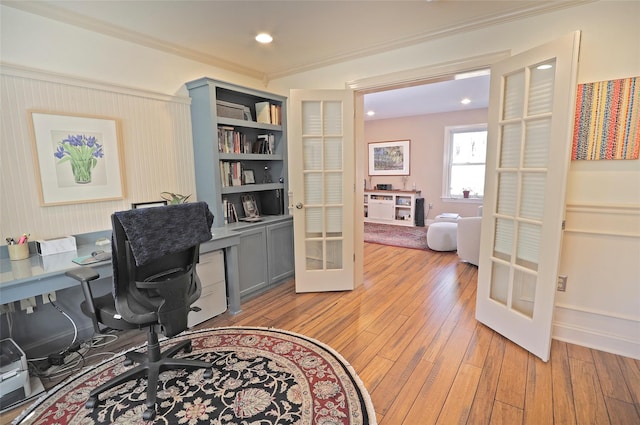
{"x":390,"y":206}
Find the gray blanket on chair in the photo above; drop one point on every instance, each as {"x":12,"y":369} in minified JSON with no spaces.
{"x":156,"y":232}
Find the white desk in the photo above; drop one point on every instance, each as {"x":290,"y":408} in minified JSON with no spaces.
{"x":39,"y":275}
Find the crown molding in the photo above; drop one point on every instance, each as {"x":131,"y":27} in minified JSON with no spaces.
{"x":19,"y":71}
{"x":487,"y":21}
{"x":95,"y":25}
{"x":52,"y":12}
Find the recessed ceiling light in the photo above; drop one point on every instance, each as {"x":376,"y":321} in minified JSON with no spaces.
{"x":545,"y":66}
{"x":465,"y":101}
{"x":371,"y":113}
{"x":264,"y":38}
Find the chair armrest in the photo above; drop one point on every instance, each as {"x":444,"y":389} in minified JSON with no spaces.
{"x":83,"y":274}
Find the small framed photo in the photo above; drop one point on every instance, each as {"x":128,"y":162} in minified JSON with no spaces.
{"x":249,"y":177}
{"x":148,"y":204}
{"x":250,"y":206}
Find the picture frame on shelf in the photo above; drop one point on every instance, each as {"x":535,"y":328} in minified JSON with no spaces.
{"x":77,"y":158}
{"x":389,"y":158}
{"x":250,"y":207}
{"x":249,"y":176}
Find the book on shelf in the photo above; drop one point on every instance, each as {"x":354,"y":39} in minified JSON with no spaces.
{"x":268,"y":113}
{"x":230,"y":173}
{"x":231,"y":140}
{"x":263,"y":112}
{"x":265,"y":144}
{"x":230,"y":214}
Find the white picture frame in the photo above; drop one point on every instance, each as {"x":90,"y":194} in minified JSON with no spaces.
{"x":389,"y":158}
{"x":63,"y":145}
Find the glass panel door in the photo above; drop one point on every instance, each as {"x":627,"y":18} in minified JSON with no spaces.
{"x":322,"y":133}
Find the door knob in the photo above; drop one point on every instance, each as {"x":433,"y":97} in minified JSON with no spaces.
{"x":299,"y":205}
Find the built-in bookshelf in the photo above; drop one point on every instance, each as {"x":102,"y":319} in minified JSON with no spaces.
{"x":240,"y":146}
{"x":240,"y":159}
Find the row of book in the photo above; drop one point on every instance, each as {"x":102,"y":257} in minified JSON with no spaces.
{"x":230,"y":213}
{"x":231,"y":140}
{"x":231,"y":173}
{"x":268,"y":113}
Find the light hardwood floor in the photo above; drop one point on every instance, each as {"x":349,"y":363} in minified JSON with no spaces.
{"x":410,"y":332}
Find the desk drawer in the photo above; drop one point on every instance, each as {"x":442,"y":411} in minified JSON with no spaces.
{"x":213,"y":299}
{"x":213,"y":303}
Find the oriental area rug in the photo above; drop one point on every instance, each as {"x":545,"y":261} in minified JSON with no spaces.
{"x":402,"y":236}
{"x":260,"y":376}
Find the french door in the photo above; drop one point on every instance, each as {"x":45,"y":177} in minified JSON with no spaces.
{"x":531,"y":108}
{"x":321,"y":152}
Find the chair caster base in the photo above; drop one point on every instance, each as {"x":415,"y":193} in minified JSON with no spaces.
{"x":149,"y":414}
{"x":91,"y":403}
{"x":208,"y":373}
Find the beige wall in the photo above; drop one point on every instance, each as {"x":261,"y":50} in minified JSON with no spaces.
{"x":601,"y":307}
{"x":426,"y":133}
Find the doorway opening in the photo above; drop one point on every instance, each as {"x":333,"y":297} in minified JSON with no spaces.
{"x":421,"y":113}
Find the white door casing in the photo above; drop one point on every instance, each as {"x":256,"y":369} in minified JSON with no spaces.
{"x":321,"y":198}
{"x":531,"y":108}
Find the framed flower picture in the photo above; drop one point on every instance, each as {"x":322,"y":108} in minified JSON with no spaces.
{"x":78,"y":158}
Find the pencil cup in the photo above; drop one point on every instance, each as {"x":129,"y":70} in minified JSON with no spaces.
{"x":18,"y":251}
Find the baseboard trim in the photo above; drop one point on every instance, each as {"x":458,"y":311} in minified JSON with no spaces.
{"x":603,"y":340}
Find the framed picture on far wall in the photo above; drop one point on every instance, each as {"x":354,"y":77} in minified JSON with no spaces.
{"x":389,"y":158}
{"x":78,"y":158}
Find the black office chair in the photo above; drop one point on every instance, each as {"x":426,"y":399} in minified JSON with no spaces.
{"x":154,"y":254}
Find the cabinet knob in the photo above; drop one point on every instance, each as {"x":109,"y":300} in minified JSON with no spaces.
{"x":299,"y":205}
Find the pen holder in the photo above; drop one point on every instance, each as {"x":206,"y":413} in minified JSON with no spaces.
{"x":18,"y":251}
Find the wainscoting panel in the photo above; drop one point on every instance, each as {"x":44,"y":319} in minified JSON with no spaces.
{"x":156,"y":140}
{"x":601,"y":257}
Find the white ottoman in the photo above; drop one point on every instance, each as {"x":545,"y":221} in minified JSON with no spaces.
{"x":442,"y":236}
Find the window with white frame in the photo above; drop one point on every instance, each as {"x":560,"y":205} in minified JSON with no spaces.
{"x":465,"y":154}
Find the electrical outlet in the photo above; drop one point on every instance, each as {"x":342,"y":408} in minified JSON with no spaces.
{"x":7,"y":308}
{"x":28,"y":304}
{"x":430,"y":205}
{"x":47,"y":296}
{"x":562,"y":283}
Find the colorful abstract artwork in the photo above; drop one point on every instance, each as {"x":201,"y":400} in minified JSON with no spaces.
{"x":607,"y":120}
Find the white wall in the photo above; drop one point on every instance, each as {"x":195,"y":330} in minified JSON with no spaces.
{"x":598,"y":192}
{"x":426,"y":133}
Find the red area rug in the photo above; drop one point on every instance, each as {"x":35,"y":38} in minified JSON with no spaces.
{"x":402,"y":236}
{"x":260,"y":376}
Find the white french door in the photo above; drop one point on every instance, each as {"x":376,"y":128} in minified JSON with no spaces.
{"x":321,"y":198}
{"x":531,"y":108}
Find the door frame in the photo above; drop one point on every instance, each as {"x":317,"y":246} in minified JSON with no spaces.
{"x":406,"y":78}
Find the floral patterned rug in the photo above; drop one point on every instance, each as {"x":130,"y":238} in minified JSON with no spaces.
{"x":402,"y":236}
{"x":260,"y":376}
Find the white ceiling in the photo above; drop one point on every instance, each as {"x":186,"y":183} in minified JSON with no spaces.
{"x":444,"y":96}
{"x":307,"y":34}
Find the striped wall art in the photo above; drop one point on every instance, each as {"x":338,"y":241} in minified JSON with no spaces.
{"x":607,"y":120}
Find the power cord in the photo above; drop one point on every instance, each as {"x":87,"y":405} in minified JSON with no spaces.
{"x":75,"y":331}
{"x":72,"y":357}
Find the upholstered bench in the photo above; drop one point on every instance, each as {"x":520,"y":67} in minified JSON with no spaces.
{"x":442,"y":236}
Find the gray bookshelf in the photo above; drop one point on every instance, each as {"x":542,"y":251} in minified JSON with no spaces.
{"x":266,"y":247}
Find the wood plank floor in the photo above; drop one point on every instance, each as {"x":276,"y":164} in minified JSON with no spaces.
{"x":410,"y":332}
